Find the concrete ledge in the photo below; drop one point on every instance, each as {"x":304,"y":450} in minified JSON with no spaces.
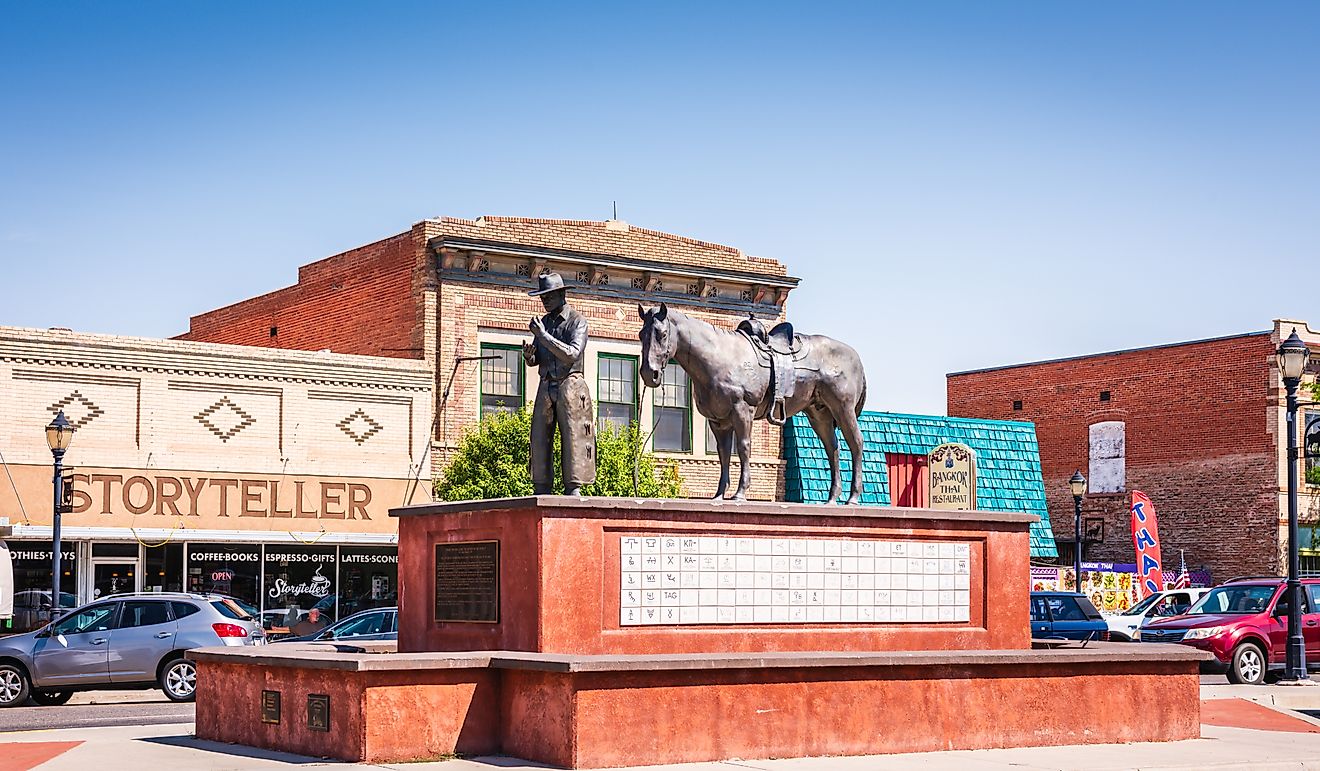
{"x":325,"y":656}
{"x":622,"y":507}
{"x":605,"y":711}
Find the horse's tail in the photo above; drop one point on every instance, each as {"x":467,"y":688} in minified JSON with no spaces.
{"x":861,"y":400}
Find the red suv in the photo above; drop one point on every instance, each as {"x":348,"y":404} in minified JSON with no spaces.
{"x":1244,"y":623}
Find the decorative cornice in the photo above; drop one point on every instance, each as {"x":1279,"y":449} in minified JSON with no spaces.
{"x":131,"y":354}
{"x":440,"y":244}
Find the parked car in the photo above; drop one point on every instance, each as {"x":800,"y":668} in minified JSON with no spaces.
{"x":374,"y":624}
{"x":1065,"y":616}
{"x":1170,"y":602}
{"x":127,"y":641}
{"x":32,"y":608}
{"x":1244,"y":623}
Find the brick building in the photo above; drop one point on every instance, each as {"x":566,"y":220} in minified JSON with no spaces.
{"x":1195,"y":425}
{"x":451,"y":288}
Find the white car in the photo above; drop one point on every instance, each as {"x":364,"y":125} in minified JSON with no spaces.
{"x":1170,"y":602}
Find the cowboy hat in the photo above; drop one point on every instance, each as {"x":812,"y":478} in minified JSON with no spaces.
{"x":550,"y":282}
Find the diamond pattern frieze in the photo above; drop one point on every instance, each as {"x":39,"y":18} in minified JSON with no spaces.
{"x":359,"y":426}
{"x":224,"y":419}
{"x":78,"y":409}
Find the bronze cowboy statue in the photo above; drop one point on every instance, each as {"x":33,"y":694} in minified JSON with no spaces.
{"x":740,"y":376}
{"x":563,"y":400}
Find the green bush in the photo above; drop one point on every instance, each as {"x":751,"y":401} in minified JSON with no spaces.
{"x":492,"y":462}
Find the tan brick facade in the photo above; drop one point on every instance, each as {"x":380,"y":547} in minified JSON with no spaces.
{"x":447,"y":286}
{"x":178,"y":438}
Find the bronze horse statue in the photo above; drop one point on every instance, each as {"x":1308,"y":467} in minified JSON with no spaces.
{"x":740,"y":376}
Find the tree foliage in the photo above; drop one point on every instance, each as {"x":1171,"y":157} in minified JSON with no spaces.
{"x":492,"y":462}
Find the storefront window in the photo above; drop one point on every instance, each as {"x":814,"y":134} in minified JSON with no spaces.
{"x":32,"y":562}
{"x":368,"y":578}
{"x":164,"y":568}
{"x":299,"y":578}
{"x":230,"y":569}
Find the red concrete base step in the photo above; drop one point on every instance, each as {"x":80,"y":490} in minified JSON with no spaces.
{"x":603,"y":711}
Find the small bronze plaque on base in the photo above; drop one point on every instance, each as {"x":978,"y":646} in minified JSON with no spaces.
{"x":270,"y":706}
{"x":318,"y":712}
{"x":467,"y":581}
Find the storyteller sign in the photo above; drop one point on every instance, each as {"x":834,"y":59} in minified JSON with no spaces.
{"x":230,"y":501}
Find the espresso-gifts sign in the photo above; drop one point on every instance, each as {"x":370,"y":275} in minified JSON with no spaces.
{"x":952,"y":470}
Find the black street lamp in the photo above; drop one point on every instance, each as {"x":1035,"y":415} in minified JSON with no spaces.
{"x":1077,"y":483}
{"x":1293,"y":356}
{"x":58,"y":435}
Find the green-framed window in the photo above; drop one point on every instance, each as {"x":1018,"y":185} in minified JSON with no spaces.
{"x":503,"y":379}
{"x":672,"y":412}
{"x":1311,"y":446}
{"x":616,"y":390}
{"x":711,"y":447}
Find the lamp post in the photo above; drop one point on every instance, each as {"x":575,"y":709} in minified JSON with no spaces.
{"x":58,"y":435}
{"x":1293,"y":355}
{"x":1077,"y":483}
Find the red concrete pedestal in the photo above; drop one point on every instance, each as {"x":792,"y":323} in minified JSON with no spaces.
{"x":550,"y":664}
{"x":560,"y":572}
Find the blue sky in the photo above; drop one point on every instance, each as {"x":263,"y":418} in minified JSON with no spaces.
{"x":958,"y":184}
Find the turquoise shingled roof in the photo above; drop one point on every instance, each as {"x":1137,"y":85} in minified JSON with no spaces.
{"x":1007,"y":462}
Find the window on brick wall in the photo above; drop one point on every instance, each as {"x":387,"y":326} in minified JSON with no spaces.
{"x":1311,"y":445}
{"x":1108,"y":457}
{"x":616,"y":390}
{"x":909,"y":479}
{"x":502,"y":379}
{"x":672,"y":412}
{"x":712,"y":444}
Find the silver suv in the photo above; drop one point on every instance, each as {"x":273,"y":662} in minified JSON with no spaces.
{"x":126,"y":641}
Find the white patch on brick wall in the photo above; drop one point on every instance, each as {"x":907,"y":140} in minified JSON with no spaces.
{"x":1108,"y":453}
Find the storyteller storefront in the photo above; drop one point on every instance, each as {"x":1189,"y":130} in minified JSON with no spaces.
{"x":283,"y":545}
{"x":209,"y":468}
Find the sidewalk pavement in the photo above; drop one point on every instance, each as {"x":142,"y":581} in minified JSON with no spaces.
{"x":173,"y":747}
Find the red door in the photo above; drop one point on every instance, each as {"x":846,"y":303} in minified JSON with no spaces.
{"x":909,"y":480}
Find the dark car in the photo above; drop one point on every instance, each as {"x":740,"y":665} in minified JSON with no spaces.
{"x":1244,"y":623}
{"x":374,"y":624}
{"x":32,"y":608}
{"x":1066,"y":616}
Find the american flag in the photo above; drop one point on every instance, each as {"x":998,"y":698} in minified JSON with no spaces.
{"x":1184,"y":580}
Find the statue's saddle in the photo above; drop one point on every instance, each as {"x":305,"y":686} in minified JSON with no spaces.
{"x":778,"y":350}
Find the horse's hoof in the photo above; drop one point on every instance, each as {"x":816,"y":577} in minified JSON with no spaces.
{"x":738,"y":497}
{"x":718,"y":496}
{"x":831,"y":501}
{"x":855,"y":500}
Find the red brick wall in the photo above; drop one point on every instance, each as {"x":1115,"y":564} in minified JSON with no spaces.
{"x":1196,"y":436}
{"x":361,"y":301}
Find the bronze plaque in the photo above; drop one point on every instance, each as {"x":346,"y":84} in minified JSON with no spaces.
{"x":318,"y":712}
{"x":270,"y":706}
{"x":467,"y":581}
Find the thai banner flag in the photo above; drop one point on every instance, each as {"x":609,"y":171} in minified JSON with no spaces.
{"x":1146,"y":537}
